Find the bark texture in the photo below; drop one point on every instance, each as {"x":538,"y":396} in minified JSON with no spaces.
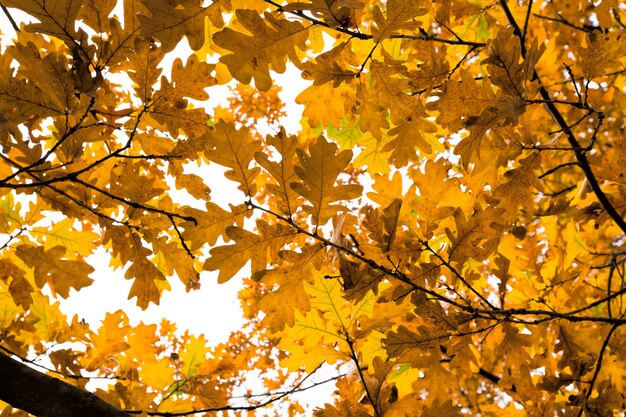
{"x":44,"y":396}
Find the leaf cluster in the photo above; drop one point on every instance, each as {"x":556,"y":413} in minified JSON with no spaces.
{"x":445,"y":231}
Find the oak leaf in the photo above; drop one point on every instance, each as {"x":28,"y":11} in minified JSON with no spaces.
{"x":435,"y":202}
{"x":400,"y":15}
{"x":409,"y":138}
{"x":47,"y":321}
{"x":193,"y":354}
{"x":507,"y":68}
{"x":18,"y":286}
{"x":324,"y":105}
{"x":235,"y":149}
{"x":280,"y":304}
{"x":142,"y":67}
{"x":282,"y":171}
{"x":110,"y":340}
{"x":322,"y":329}
{"x":50,"y":267}
{"x":145,"y":275}
{"x":602,"y":51}
{"x":128,"y":247}
{"x":229,"y":259}
{"x":271,"y":41}
{"x":336,"y":13}
{"x":170,"y":20}
{"x":474,"y":236}
{"x":55,"y":18}
{"x":331,"y":66}
{"x":210,"y":223}
{"x":319,"y":171}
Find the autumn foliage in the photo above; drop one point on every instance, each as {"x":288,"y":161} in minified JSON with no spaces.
{"x":446,"y":230}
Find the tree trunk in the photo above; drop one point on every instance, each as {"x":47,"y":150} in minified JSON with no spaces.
{"x":44,"y":396}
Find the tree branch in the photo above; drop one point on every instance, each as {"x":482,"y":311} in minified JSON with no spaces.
{"x":44,"y":396}
{"x":366,"y":36}
{"x":605,"y":344}
{"x":579,"y":151}
{"x":8,"y":15}
{"x":251,"y":407}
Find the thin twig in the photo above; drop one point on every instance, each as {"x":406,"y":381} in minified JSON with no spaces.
{"x":456,"y":274}
{"x":371,"y":263}
{"x":556,"y":168}
{"x":526,"y":21}
{"x":62,"y":374}
{"x":579,"y":152}
{"x":233,"y":407}
{"x":562,"y":20}
{"x":8,"y":15}
{"x":355,"y":359}
{"x":367,"y":58}
{"x":366,"y":36}
{"x":605,"y":344}
{"x":571,"y":76}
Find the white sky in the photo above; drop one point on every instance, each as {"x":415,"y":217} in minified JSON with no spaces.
{"x":214,"y":309}
{"x":193,"y":311}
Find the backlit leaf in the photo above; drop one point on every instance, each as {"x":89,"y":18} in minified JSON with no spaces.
{"x":268,"y":45}
{"x":318,"y":172}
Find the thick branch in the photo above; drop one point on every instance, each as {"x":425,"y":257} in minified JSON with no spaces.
{"x":44,"y":396}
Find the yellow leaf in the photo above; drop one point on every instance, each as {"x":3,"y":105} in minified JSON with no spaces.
{"x":279,"y":304}
{"x":109,"y":341}
{"x":142,"y":68}
{"x":148,"y":280}
{"x":170,"y":20}
{"x":49,"y":322}
{"x":158,"y":375}
{"x":64,"y":233}
{"x":51,"y":268}
{"x":9,"y":309}
{"x":272,"y":40}
{"x":319,"y":171}
{"x":408,"y":137}
{"x":145,"y":275}
{"x":176,"y":259}
{"x":602,"y":51}
{"x":372,"y":155}
{"x":211,"y":223}
{"x":283,"y":171}
{"x":229,"y":259}
{"x":507,"y":72}
{"x":18,"y":286}
{"x":55,"y":18}
{"x":324,"y":104}
{"x":235,"y":149}
{"x":193,"y":354}
{"x":400,"y":15}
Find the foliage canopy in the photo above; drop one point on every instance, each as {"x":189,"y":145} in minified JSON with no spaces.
{"x":446,"y":229}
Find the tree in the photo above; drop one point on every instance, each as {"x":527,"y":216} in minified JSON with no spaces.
{"x":446,"y":230}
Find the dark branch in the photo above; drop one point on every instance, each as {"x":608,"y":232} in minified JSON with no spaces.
{"x":579,"y":151}
{"x":42,"y":395}
{"x":8,"y":15}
